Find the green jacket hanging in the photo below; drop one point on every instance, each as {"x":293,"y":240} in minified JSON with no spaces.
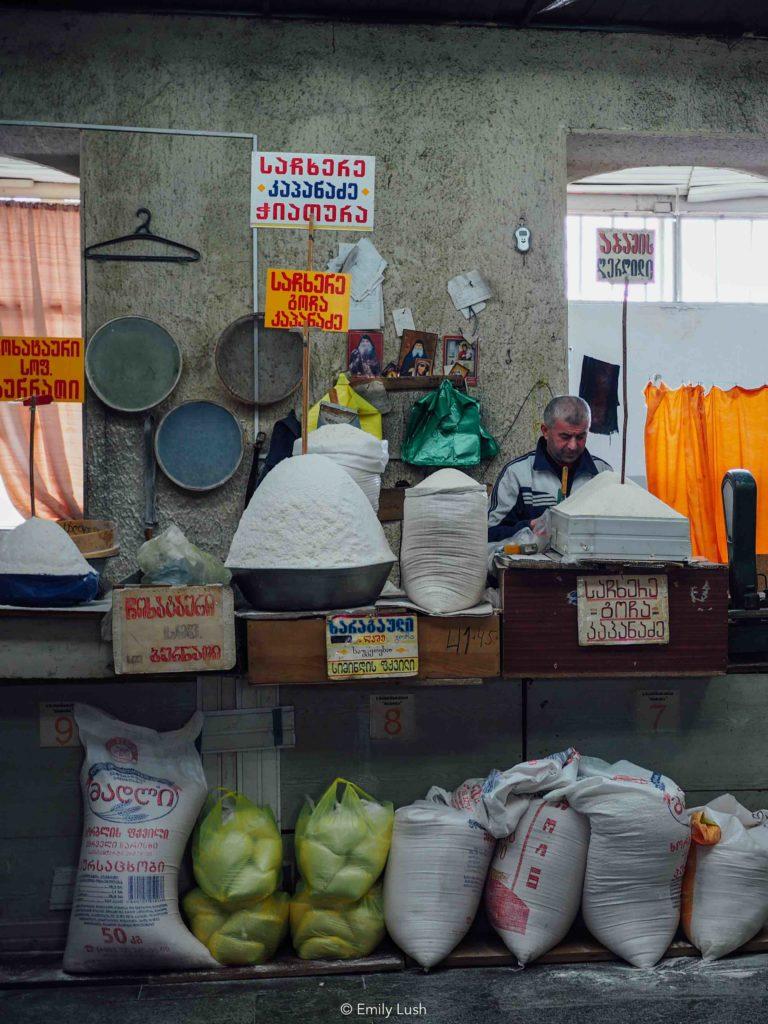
{"x":444,"y":429}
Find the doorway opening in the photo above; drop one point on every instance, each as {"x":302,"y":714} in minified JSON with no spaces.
{"x":40,"y":298}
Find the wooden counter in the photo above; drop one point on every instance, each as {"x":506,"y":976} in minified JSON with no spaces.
{"x":540,"y":622}
{"x":293,"y":650}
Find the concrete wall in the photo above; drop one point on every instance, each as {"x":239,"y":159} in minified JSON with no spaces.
{"x":469,"y":128}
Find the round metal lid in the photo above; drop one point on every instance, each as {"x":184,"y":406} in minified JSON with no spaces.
{"x":132,"y":363}
{"x":199,"y":445}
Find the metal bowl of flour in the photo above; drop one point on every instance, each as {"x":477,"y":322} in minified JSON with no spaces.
{"x":290,"y":590}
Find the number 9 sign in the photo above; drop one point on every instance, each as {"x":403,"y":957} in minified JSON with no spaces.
{"x":57,"y":725}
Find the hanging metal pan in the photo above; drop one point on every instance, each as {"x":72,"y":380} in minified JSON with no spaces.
{"x":132,"y":363}
{"x":199,"y":445}
{"x":257,"y":364}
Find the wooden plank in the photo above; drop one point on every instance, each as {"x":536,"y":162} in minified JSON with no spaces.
{"x":540,"y":632}
{"x":284,"y":651}
{"x":391,"y":501}
{"x":458,"y":648}
{"x":411,"y":383}
{"x":490,"y":951}
{"x":44,"y":970}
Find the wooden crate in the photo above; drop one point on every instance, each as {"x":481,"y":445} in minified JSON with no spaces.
{"x":293,"y":650}
{"x":540,"y":628}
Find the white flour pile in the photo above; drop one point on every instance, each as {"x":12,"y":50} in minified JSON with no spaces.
{"x":606,"y":495}
{"x":308,"y":514}
{"x":40,"y":547}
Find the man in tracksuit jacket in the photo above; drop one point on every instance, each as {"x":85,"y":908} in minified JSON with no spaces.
{"x":559,"y":465}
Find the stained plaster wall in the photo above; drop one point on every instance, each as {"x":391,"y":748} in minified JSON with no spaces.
{"x":469,"y":129}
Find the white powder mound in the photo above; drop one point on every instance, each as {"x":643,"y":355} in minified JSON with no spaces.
{"x":445,"y":480}
{"x":605,"y":495}
{"x":40,"y":547}
{"x":308,"y":514}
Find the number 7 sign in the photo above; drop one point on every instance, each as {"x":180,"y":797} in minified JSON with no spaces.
{"x":657,"y":710}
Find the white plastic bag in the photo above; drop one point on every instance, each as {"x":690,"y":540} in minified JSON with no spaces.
{"x":443,"y":554}
{"x":725,"y":889}
{"x":142,"y":791}
{"x":363,"y":456}
{"x":434,"y":878}
{"x":534,"y":884}
{"x":637,"y":851}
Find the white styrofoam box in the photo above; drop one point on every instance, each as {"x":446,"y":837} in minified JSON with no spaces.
{"x":620,"y":537}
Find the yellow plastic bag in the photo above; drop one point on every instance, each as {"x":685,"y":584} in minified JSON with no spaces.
{"x":342,"y":842}
{"x":237,"y":850}
{"x":242,"y":933}
{"x":344,"y":394}
{"x":323,"y":928}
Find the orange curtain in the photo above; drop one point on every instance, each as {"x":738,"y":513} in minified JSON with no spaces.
{"x":691,"y":440}
{"x":40,"y":296}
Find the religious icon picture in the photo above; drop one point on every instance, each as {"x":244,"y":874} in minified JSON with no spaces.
{"x":417,"y":346}
{"x":460,"y":357}
{"x":364,"y":353}
{"x":390,"y":370}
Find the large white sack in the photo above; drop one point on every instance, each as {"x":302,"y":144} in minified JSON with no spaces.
{"x":434,"y":879}
{"x":498,"y":801}
{"x":363,"y":456}
{"x":142,"y":791}
{"x":443,"y":550}
{"x":725,"y":889}
{"x":637,"y":851}
{"x":534,"y":884}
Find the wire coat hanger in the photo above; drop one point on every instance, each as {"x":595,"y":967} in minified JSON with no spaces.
{"x":142,"y":233}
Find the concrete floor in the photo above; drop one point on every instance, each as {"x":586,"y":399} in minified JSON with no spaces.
{"x":731,"y":990}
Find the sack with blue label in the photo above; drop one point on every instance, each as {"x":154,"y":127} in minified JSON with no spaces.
{"x":444,"y":429}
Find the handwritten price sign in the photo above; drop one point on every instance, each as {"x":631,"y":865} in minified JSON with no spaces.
{"x":173,"y":629}
{"x":308,"y":298}
{"x":43,"y":368}
{"x":626,"y":256}
{"x":622,"y":610}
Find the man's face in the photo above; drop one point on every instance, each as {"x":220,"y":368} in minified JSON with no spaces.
{"x":565,"y":442}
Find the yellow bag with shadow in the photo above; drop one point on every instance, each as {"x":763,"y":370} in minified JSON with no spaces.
{"x":343,"y":841}
{"x":324,"y":928}
{"x":237,"y":850}
{"x":342,"y":393}
{"x":240,"y":933}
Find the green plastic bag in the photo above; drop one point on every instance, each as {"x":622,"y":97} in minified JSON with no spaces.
{"x":342,"y":843}
{"x":240,"y":934}
{"x":444,"y":429}
{"x":323,"y":928}
{"x":237,"y":850}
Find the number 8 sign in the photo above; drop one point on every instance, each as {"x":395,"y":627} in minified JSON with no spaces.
{"x":392,"y":717}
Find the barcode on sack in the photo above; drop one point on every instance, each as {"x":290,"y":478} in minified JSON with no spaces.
{"x":146,"y":888}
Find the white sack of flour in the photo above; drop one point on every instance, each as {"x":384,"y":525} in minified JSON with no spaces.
{"x":445,"y":534}
{"x":360,"y":454}
{"x":142,"y":791}
{"x":534,"y":885}
{"x":637,"y":852}
{"x":725,"y":889}
{"x":434,"y":880}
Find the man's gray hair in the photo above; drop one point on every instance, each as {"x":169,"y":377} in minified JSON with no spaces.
{"x":570,"y":409}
